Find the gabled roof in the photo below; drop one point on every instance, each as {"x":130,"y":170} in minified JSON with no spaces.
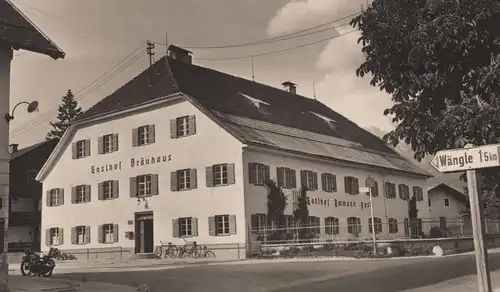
{"x":21,"y":152}
{"x":291,"y":122}
{"x":458,"y":195}
{"x":20,"y":33}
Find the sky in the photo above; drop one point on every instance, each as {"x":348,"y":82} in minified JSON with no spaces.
{"x":97,"y":34}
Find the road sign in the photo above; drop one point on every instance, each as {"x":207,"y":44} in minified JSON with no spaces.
{"x":370,"y":182}
{"x":467,"y":158}
{"x":364,"y":189}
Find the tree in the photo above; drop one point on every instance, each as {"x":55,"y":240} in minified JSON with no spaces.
{"x":67,"y":112}
{"x":415,"y":226}
{"x":301,"y":212}
{"x":276,"y":203}
{"x":439,"y":60}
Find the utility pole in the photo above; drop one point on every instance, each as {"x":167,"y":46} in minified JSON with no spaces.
{"x":149,"y":48}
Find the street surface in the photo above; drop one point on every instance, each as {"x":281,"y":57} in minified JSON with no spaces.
{"x":391,"y":275}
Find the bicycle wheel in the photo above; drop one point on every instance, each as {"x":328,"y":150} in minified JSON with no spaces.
{"x":195,"y":254}
{"x":209,"y":254}
{"x":158,"y":252}
{"x":171,"y":252}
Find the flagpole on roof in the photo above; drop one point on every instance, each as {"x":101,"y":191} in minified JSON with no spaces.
{"x":253,"y":71}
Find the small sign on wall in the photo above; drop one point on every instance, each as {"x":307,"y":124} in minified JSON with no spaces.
{"x":130,"y":222}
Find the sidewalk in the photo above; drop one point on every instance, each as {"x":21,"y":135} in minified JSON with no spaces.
{"x":25,"y":284}
{"x":467,"y":283}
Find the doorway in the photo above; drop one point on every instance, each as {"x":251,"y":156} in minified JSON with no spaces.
{"x":144,"y":230}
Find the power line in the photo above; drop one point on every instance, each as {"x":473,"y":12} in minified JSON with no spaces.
{"x":296,"y":34}
{"x":276,"y":52}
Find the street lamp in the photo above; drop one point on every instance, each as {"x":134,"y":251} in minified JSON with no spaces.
{"x":32,"y":107}
{"x":370,"y":183}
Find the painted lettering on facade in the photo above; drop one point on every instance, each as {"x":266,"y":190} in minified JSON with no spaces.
{"x":318,"y":201}
{"x":336,"y":203}
{"x":134,"y":162}
{"x":106,"y":168}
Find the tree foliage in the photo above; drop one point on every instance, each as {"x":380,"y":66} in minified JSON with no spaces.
{"x":440,"y":62}
{"x":67,"y":112}
{"x":301,"y":212}
{"x":276,"y":203}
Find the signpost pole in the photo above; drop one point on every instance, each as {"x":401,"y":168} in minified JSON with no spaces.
{"x":481,"y":253}
{"x":374,"y":238}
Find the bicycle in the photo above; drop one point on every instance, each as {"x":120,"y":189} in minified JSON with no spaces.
{"x":194,"y":251}
{"x":206,"y":253}
{"x":168,"y":250}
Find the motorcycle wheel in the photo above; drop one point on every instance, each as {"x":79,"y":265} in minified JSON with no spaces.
{"x":48,"y":273}
{"x":25,"y":268}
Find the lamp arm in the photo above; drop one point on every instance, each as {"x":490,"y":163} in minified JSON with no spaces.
{"x":22,"y":102}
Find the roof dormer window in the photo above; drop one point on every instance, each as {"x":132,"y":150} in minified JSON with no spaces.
{"x":262,"y":106}
{"x":330,"y":122}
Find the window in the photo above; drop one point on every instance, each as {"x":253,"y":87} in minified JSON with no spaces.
{"x":80,"y":235}
{"x":31,"y":176}
{"x":264,"y":108}
{"x":258,"y":223}
{"x":429,"y":202}
{"x":286,"y":178}
{"x":354,"y":226}
{"x":143,"y":135}
{"x":81,"y":194}
{"x":182,"y":126}
{"x":186,"y":229}
{"x":418,"y":193}
{"x":55,"y":197}
{"x":390,"y":190}
{"x":81,"y":149}
{"x":108,"y":190}
{"x":222,"y":224}
{"x":378,"y":225}
{"x":144,"y":185}
{"x":54,"y":236}
{"x":182,"y":180}
{"x":289,"y":223}
{"x":332,"y":225}
{"x":393,"y":225}
{"x":108,"y":233}
{"x":351,"y":185}
{"x":329,"y":182}
{"x":314,"y":225}
{"x":107,"y":143}
{"x":404,"y":192}
{"x":220,"y":174}
{"x":446,"y":202}
{"x":258,"y":173}
{"x":309,"y":179}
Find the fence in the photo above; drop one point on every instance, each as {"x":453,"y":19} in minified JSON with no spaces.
{"x":391,"y":230}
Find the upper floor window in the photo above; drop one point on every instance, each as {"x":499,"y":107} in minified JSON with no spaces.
{"x":143,"y":135}
{"x":446,"y":202}
{"x":183,"y":179}
{"x":286,"y":178}
{"x":309,"y":179}
{"x":351,"y":185}
{"x":81,"y":149}
{"x":220,"y":174}
{"x":108,"y":190}
{"x":390,"y":190}
{"x":329,"y":182}
{"x":144,"y":185}
{"x":55,"y":197}
{"x":80,"y":194}
{"x":107,"y":143}
{"x":374,"y":190}
{"x":258,"y":173}
{"x":404,"y":192}
{"x":418,"y":193}
{"x":183,"y":126}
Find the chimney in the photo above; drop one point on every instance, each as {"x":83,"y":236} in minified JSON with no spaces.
{"x":180,"y":54}
{"x":13,"y":148}
{"x":290,"y":86}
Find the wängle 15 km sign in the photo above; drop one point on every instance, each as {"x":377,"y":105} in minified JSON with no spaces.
{"x":467,"y":158}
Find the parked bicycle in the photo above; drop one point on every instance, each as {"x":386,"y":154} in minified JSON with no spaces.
{"x":206,"y":253}
{"x":190,"y":249}
{"x":166,"y":250}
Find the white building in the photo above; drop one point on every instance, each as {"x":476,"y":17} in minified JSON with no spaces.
{"x":181,"y":152}
{"x":445,"y":201}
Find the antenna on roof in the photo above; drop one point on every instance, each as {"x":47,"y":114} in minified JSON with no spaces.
{"x":149,"y":49}
{"x":253,"y":71}
{"x":314,"y":90}
{"x":166,"y":43}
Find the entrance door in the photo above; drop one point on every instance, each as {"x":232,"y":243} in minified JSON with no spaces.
{"x":144,"y":239}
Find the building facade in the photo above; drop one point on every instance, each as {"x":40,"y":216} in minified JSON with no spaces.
{"x":181,"y":153}
{"x":446,"y":202}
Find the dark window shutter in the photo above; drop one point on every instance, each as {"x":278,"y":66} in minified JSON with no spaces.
{"x":334,"y":183}
{"x":324,"y":184}
{"x":73,"y":236}
{"x":230,"y":173}
{"x":173,"y":181}
{"x":116,"y":233}
{"x":315,"y":180}
{"x":356,"y":185}
{"x":61,"y":236}
{"x":73,"y":195}
{"x":135,"y":137}
{"x":154,"y":185}
{"x":194,"y":226}
{"x":303,"y":178}
{"x":294,"y":179}
{"x":232,"y":224}
{"x":100,"y":234}
{"x":116,"y":189}
{"x":152,"y":134}
{"x":175,"y":228}
{"x":61,"y":197}
{"x":194,"y":178}
{"x":192,"y":124}
{"x":115,"y":142}
{"x":280,"y":174}
{"x":133,"y":187}
{"x":173,"y":128}
{"x":211,"y":226}
{"x":74,"y":151}
{"x":48,"y":198}
{"x":88,"y":195}
{"x":100,"y":145}
{"x":267,"y":173}
{"x":100,"y":191}
{"x":209,"y":173}
{"x":87,"y":234}
{"x":48,"y":237}
{"x":347,"y":186}
{"x":252,"y":173}
{"x":87,"y":147}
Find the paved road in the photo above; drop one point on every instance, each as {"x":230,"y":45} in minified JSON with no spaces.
{"x":332,"y":276}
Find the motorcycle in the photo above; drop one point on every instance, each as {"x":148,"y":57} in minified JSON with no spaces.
{"x":35,"y":264}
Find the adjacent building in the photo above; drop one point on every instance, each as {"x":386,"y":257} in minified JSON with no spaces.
{"x":26,"y":194}
{"x":445,"y":201}
{"x":182,"y":152}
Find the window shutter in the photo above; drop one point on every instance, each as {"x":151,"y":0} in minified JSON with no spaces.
{"x":73,"y":195}
{"x":116,"y":190}
{"x":87,"y":234}
{"x":175,"y":228}
{"x":174,"y":181}
{"x":192,"y":124}
{"x":280,"y":173}
{"x":133,"y":187}
{"x":73,"y":235}
{"x":100,"y":234}
{"x":173,"y":128}
{"x":48,"y":198}
{"x":209,"y":173}
{"x":61,"y":236}
{"x":232,"y":224}
{"x":324,"y":185}
{"x":154,"y":184}
{"x":334,"y":183}
{"x":194,"y":226}
{"x":315,"y":180}
{"x":230,"y":173}
{"x":152,"y":134}
{"x":88,"y":194}
{"x":346,"y":185}
{"x":267,"y":173}
{"x":211,"y":226}
{"x":100,"y":145}
{"x":61,"y":197}
{"x":400,"y":192}
{"x":100,"y":191}
{"x":116,"y":233}
{"x":303,"y":178}
{"x":74,"y":151}
{"x":327,"y":219}
{"x":135,"y":137}
{"x":48,"y":237}
{"x":193,"y":177}
{"x":115,"y":142}
{"x":87,"y":147}
{"x":370,"y":225}
{"x":356,"y":185}
{"x":294,"y":179}
{"x":252,"y":171}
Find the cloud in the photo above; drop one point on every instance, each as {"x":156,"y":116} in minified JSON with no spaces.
{"x":339,"y":87}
